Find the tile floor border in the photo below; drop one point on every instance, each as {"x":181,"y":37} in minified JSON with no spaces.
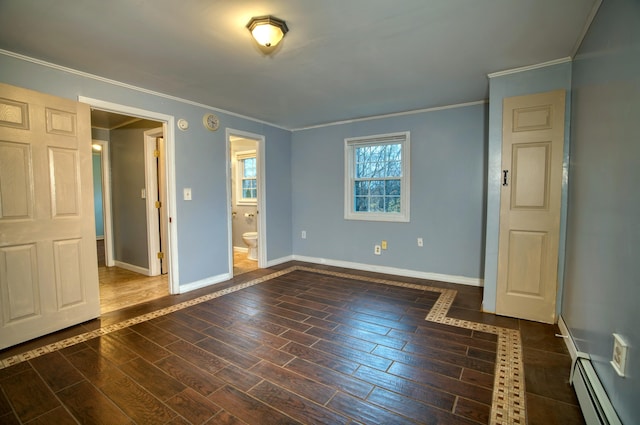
{"x":508,"y":400}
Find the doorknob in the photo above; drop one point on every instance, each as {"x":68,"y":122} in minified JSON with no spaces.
{"x":505,"y":174}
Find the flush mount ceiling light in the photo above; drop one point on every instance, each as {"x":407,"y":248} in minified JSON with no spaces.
{"x":267,"y":30}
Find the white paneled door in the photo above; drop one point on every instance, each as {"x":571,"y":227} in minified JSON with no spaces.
{"x":532,"y":152}
{"x":48,"y":261}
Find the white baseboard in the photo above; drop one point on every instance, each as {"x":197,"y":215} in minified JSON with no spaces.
{"x":132,"y":268}
{"x":571,"y":346}
{"x":280,"y":260}
{"x":240,"y":249}
{"x":472,"y":281}
{"x":204,"y":282}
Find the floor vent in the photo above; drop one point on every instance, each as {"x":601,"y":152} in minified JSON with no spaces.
{"x":594,"y":402}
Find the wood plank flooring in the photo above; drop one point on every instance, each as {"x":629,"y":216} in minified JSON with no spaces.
{"x":303,"y":347}
{"x":120,"y":288}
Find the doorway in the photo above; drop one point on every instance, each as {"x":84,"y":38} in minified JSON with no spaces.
{"x":137,"y":245}
{"x":245,"y":187}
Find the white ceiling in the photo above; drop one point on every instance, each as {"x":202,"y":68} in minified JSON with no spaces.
{"x":341,"y":60}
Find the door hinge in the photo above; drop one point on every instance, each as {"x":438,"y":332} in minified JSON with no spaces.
{"x":158,"y":204}
{"x":156,"y":153}
{"x":161,"y":255}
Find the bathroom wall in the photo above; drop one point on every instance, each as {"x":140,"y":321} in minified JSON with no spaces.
{"x":241,"y":224}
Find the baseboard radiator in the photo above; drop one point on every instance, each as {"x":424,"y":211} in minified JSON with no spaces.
{"x":594,"y":402}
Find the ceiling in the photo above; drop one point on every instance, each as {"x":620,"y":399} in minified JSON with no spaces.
{"x":110,"y":120}
{"x":341,"y":60}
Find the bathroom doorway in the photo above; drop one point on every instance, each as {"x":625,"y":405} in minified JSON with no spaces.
{"x":245,"y":194}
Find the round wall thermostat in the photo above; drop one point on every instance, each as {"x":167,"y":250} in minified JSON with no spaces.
{"x":211,"y":122}
{"x":183,"y":124}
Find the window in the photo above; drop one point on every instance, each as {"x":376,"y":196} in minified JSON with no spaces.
{"x":246,"y":187}
{"x":377,"y":178}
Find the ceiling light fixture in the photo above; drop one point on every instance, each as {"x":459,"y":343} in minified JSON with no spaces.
{"x":267,"y":30}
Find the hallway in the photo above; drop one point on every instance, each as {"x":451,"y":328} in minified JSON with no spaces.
{"x":120,"y":288}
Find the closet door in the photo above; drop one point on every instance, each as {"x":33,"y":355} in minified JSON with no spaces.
{"x":532,"y":152}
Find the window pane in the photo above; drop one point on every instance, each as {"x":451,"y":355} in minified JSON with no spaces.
{"x":377,"y":187}
{"x":249,"y":189}
{"x":392,"y":187}
{"x":376,"y":204}
{"x":361,"y":188}
{"x":249,"y":166}
{"x":249,"y":184}
{"x":392,"y":204}
{"x":394,"y":169}
{"x":394,"y":152}
{"x":361,"y":170}
{"x":362,"y":203}
{"x":378,"y":168}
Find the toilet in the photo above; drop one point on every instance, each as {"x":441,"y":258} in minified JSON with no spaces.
{"x":251,"y":240}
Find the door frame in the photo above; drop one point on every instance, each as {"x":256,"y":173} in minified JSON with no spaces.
{"x":105,"y":163}
{"x":168,"y":127}
{"x":262,"y":216}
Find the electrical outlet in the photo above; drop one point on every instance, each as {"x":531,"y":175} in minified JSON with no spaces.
{"x":186,"y":192}
{"x":377,"y":250}
{"x":303,"y":234}
{"x":383,"y":244}
{"x":620,"y":349}
{"x":420,"y":242}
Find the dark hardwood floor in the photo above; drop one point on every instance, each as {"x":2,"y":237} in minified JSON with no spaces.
{"x":309,"y":345}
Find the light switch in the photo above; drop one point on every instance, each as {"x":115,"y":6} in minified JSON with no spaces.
{"x":187,"y":193}
{"x":143,"y":193}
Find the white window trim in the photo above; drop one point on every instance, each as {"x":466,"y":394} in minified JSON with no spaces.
{"x":239,"y":156}
{"x":349,"y":173}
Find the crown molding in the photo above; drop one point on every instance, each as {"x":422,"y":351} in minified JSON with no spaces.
{"x":529,"y":67}
{"x":394,"y":114}
{"x":131,"y":87}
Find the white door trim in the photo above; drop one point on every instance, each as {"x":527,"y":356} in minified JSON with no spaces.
{"x":151,"y":189}
{"x":261,"y":205}
{"x":169,"y":133}
{"x":106,"y":201}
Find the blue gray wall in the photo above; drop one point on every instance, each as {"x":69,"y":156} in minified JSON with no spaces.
{"x":448,"y":156}
{"x":602,"y":283}
{"x":129,"y":209}
{"x":97,"y":194}
{"x":548,"y":78}
{"x":199,"y":164}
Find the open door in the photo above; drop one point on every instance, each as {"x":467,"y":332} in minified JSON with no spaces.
{"x":162,"y":211}
{"x":48,"y":259}
{"x":532,"y":152}
{"x":156,"y":195}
